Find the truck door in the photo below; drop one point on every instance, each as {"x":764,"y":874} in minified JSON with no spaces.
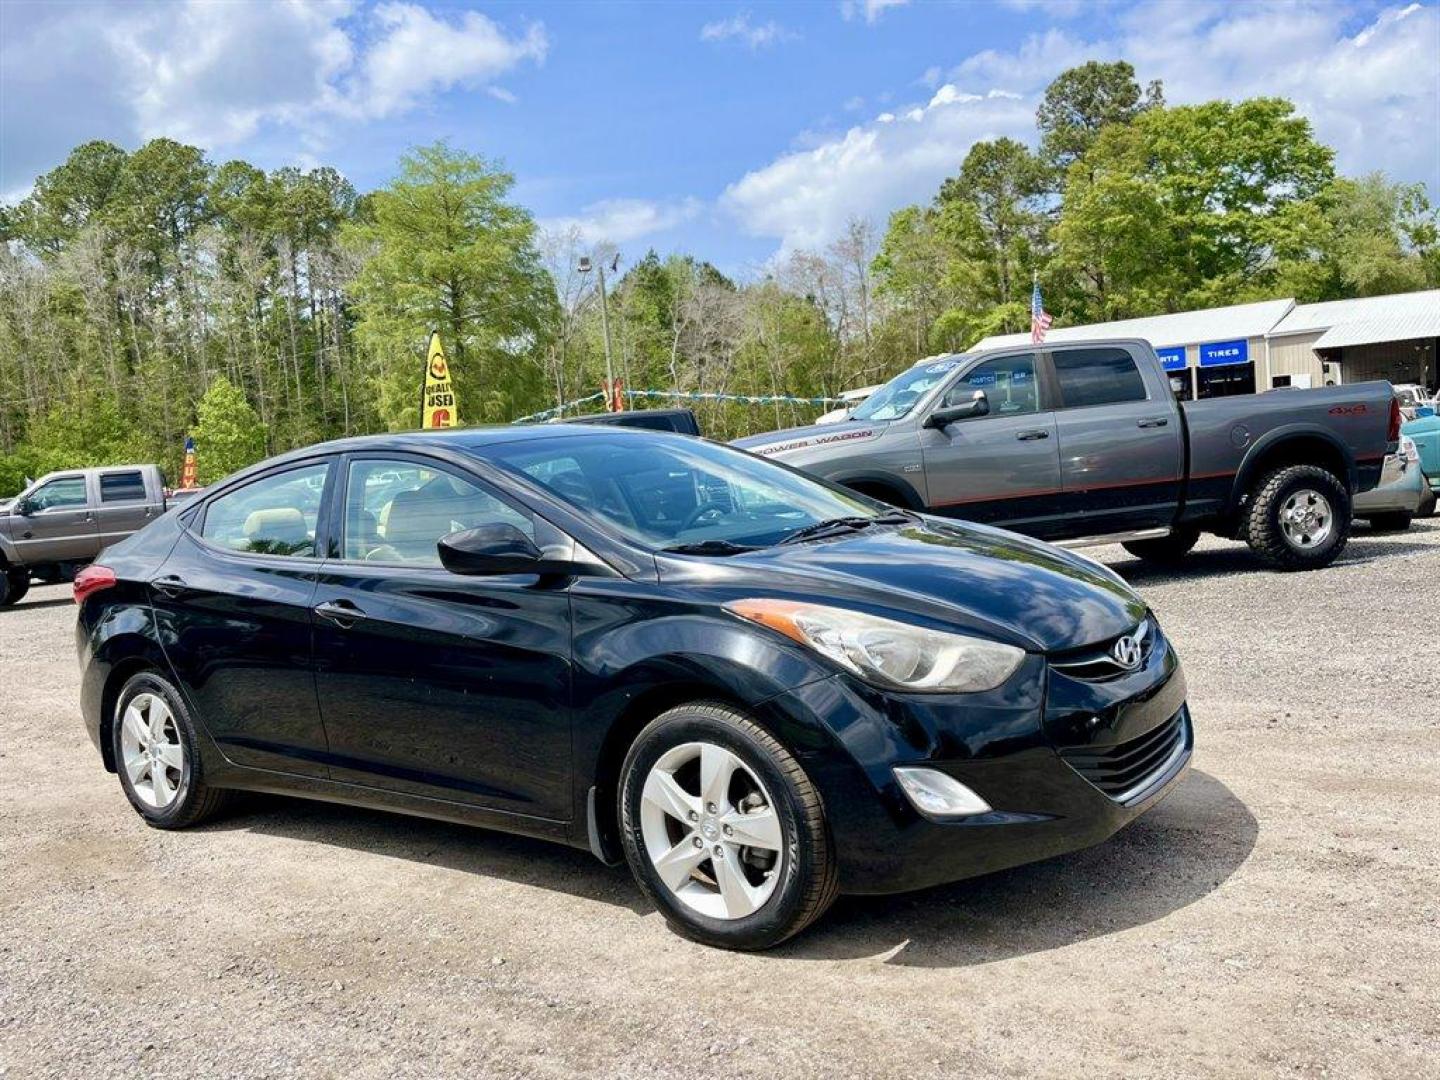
{"x":1121,"y":446}
{"x":54,"y":522}
{"x":1004,"y":466}
{"x":125,"y":506}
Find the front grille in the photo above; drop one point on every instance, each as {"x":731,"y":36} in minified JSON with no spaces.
{"x":1097,"y":663}
{"x":1125,"y":769}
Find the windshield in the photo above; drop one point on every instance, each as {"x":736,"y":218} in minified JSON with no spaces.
{"x":673,"y":490}
{"x":897,"y":397}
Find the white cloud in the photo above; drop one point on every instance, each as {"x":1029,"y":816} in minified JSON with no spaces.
{"x":740,"y":28}
{"x":869,"y":10}
{"x":1371,"y":93}
{"x":805,"y":197}
{"x":418,"y":54}
{"x":618,"y":221}
{"x":215,"y":74}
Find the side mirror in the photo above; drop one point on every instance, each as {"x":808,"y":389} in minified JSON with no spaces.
{"x":24,"y":507}
{"x":497,"y":549}
{"x":978,"y":405}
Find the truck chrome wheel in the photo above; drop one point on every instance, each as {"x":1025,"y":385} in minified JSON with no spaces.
{"x":711,"y":830}
{"x":152,"y":753}
{"x":1306,"y":519}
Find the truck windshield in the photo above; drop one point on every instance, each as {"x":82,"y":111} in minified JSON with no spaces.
{"x":901,"y":394}
{"x":676,"y":491}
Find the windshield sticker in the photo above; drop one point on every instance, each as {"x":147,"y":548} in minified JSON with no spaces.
{"x":943,"y":365}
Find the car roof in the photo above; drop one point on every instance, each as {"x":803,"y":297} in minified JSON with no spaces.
{"x":472,"y":440}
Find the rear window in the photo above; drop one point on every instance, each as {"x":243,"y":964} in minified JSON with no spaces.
{"x":275,"y":515}
{"x":1097,"y":377}
{"x":122,"y":487}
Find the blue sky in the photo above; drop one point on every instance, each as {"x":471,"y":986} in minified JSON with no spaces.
{"x":735,"y":131}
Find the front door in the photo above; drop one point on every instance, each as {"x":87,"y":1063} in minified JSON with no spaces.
{"x":432,"y":683}
{"x":232,"y":609}
{"x":1003,"y":467}
{"x":1121,"y":448}
{"x":58,"y":524}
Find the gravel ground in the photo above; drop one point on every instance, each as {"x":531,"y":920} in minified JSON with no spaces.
{"x":1277,"y":915}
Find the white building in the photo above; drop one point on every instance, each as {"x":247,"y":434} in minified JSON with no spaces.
{"x":1249,"y":347}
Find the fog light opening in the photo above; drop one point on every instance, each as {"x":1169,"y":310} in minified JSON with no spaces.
{"x":939,"y":795}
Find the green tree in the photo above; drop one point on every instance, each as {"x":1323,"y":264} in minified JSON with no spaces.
{"x":228,"y":432}
{"x":443,"y":248}
{"x":1082,"y":101}
{"x":1189,"y":206}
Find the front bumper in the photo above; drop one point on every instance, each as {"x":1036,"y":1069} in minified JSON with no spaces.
{"x":1026,"y":749}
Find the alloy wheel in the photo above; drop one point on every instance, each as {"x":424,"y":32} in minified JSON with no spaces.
{"x":152,"y":755}
{"x":712,"y":831}
{"x":1306,"y":519}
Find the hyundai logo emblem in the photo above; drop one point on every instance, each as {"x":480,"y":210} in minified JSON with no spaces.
{"x":1128,"y":649}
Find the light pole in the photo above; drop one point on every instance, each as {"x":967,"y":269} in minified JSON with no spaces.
{"x":585,"y":267}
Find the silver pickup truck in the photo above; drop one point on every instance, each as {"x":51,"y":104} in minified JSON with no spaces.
{"x":1085,"y":441}
{"x":62,"y":520}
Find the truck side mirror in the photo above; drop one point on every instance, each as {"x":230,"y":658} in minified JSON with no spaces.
{"x":978,"y":405}
{"x":24,"y":507}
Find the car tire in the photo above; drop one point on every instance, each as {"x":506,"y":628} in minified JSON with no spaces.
{"x":1322,"y":503}
{"x":160,"y":741}
{"x":1390,"y":523}
{"x":713,"y":888}
{"x":14,"y":584}
{"x":1165,"y":550}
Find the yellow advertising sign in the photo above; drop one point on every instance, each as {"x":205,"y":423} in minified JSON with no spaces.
{"x":438,"y":407}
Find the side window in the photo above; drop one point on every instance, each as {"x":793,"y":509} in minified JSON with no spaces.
{"x":397,"y":511}
{"x":122,"y":487}
{"x":68,"y":491}
{"x":1097,"y":377}
{"x":1009,"y":384}
{"x":272,"y":516}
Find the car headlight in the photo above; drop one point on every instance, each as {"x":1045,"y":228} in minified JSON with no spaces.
{"x":884,"y":651}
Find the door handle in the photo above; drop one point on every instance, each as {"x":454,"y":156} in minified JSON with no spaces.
{"x":1031,"y":436}
{"x":342,"y":613}
{"x":1152,"y":421}
{"x":170,"y":586}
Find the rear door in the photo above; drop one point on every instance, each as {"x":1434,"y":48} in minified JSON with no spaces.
{"x":232,"y":608}
{"x":1003,"y":467}
{"x":59,"y":522}
{"x":124,"y":506}
{"x":431,"y":683}
{"x":1121,"y":447}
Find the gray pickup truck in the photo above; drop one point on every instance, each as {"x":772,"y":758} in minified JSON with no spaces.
{"x":1085,"y":441}
{"x":61,"y":521}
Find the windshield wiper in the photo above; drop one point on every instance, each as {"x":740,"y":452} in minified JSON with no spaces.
{"x":707,"y":547}
{"x":841,"y":525}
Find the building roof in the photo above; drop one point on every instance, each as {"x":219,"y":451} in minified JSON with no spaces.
{"x":1422,"y":309}
{"x":1376,"y":331}
{"x":1181,"y":328}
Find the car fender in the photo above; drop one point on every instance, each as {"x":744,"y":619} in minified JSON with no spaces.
{"x":120,"y":642}
{"x":1249,"y":464}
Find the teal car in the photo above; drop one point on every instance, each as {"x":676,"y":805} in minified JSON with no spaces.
{"x":1425,"y":430}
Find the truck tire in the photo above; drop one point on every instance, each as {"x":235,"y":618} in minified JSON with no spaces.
{"x":1298,"y":518}
{"x":14,"y":584}
{"x":1390,"y":523}
{"x":1165,"y":550}
{"x":1427,"y":505}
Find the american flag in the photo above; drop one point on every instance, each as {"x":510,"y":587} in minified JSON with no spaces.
{"x":1039,"y":319}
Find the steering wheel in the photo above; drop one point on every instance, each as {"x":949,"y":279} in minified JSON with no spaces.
{"x":693,"y":518}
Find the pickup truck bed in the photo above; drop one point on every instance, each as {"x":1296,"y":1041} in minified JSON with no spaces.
{"x":1086,"y":441}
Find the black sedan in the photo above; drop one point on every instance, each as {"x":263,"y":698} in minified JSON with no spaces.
{"x":758,"y":689}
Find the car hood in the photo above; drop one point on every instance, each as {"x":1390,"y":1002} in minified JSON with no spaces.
{"x":774,"y":443}
{"x":967,"y":576}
